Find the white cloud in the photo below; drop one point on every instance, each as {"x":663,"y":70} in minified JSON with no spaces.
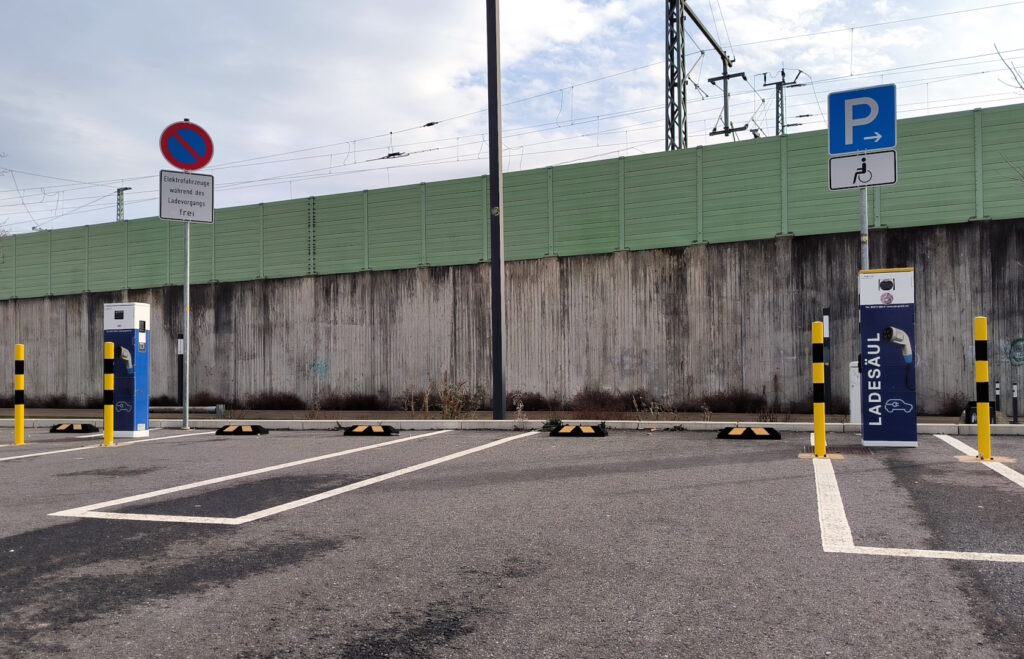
{"x":89,"y":86}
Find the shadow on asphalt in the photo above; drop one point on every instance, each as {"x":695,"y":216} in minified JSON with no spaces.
{"x":59,"y":576}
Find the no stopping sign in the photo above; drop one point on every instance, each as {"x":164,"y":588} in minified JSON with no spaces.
{"x":186,"y":146}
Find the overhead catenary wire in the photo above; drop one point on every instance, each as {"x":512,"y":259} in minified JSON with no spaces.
{"x":628,"y":145}
{"x":544,"y":127}
{"x":953,"y":61}
{"x":970,"y":100}
{"x":31,"y":206}
{"x":112,"y":182}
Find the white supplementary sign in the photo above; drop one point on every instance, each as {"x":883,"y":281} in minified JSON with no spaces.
{"x":862,"y":169}
{"x":186,"y":197}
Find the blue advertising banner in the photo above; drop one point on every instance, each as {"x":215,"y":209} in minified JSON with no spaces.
{"x":888,"y":385}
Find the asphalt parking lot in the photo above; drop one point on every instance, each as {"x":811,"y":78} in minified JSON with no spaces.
{"x":505,"y":543}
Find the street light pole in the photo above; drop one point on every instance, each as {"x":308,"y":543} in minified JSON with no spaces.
{"x":496,"y":214}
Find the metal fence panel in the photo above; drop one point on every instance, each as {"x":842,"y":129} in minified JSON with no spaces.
{"x":34,"y":264}
{"x":1003,"y":162}
{"x":742,"y":197}
{"x":147,"y":253}
{"x":8,"y":269}
{"x":239,"y":234}
{"x":811,"y":208}
{"x":660,"y":199}
{"x":340,"y":233}
{"x":395,"y":227}
{"x":455,"y":221}
{"x":70,"y":254}
{"x":528,"y":228}
{"x":586,"y":208}
{"x":936,"y":173}
{"x":286,"y":239}
{"x":203,"y":245}
{"x":106,"y":256}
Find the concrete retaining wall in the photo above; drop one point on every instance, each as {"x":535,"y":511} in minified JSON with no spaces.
{"x":682,"y":323}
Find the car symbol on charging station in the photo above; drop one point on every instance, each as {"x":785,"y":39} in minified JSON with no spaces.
{"x":898,"y":405}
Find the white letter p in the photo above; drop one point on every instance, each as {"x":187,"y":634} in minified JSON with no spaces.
{"x":851,"y":122}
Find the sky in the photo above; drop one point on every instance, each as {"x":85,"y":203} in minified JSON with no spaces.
{"x":306,"y":97}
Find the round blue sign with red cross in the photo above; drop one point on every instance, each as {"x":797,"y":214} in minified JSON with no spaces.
{"x":186,"y":145}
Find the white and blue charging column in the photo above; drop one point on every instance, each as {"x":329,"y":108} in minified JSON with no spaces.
{"x":126,"y":325}
{"x":888,"y":382}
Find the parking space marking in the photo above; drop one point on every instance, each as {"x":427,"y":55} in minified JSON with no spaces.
{"x":34,"y":455}
{"x":89,"y":511}
{"x":835,"y":529}
{"x":84,"y":448}
{"x":377,"y":479}
{"x":156,"y":439}
{"x":837,"y":538}
{"x":998,"y":467}
{"x":94,"y":511}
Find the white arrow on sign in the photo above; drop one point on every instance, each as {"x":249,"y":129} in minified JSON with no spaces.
{"x":877,"y":136}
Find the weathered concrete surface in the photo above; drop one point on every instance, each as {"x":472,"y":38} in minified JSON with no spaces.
{"x":682,"y":323}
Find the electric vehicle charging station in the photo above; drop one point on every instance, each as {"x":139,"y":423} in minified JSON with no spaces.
{"x":888,"y":396}
{"x":126,"y":325}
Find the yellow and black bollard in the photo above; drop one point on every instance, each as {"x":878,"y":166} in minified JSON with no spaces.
{"x":818,"y":378}
{"x":19,"y":393}
{"x":981,"y":385}
{"x":108,"y":393}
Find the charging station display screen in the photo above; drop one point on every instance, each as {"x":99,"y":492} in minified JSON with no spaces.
{"x":888,"y":386}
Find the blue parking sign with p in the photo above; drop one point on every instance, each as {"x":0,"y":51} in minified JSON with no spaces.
{"x":862,"y":120}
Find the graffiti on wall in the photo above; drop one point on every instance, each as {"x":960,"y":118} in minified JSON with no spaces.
{"x":319,"y":369}
{"x":1015,"y":352}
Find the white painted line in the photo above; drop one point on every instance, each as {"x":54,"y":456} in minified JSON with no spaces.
{"x":837,"y":538}
{"x":83,"y":448}
{"x":91,"y":511}
{"x":997,"y":467}
{"x":377,"y":479}
{"x":156,"y":439}
{"x":33,"y":455}
{"x":78,"y":512}
{"x":958,"y":445}
{"x":835,"y":529}
{"x":180,"y":519}
{"x":934,"y":553}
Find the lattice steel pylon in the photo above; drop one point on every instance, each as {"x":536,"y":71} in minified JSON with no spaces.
{"x":675,"y":77}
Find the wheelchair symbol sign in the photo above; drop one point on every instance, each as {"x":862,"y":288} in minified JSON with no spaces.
{"x":861,"y":170}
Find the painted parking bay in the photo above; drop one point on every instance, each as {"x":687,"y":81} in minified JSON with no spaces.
{"x":635,"y":544}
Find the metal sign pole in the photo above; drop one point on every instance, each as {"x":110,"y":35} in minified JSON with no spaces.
{"x":864,"y":228}
{"x":185,"y":334}
{"x":826,"y":321}
{"x":187,"y":147}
